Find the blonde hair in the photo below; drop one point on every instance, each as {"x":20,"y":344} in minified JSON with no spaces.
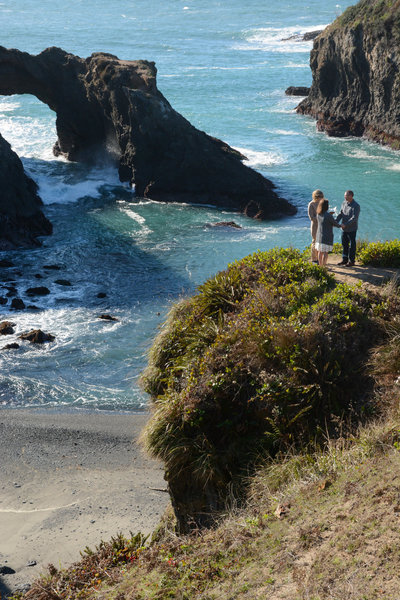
{"x":317,"y":195}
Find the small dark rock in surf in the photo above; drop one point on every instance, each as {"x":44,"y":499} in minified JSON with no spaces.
{"x":37,"y":336}
{"x":107,"y":318}
{"x":38,"y":276}
{"x":6,"y":328}
{"x":64,"y":282}
{"x":226,"y":224}
{"x":17,"y":304}
{"x":12,"y":346}
{"x":101,"y":295}
{"x":3,"y":300}
{"x":52,"y":267}
{"x":37,"y":291}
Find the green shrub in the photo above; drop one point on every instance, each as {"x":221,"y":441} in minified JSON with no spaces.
{"x":381,"y":254}
{"x":267,"y":355}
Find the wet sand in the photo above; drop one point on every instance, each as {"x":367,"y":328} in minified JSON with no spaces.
{"x":67,"y":481}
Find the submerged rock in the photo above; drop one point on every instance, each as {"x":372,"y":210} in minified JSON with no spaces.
{"x":38,"y":291}
{"x":297,"y":91}
{"x":226,"y":224}
{"x":63,"y":282}
{"x":5,"y":264}
{"x":12,"y":346}
{"x":37,"y":336}
{"x":112,"y":106}
{"x":17,"y":304}
{"x":106,"y":317}
{"x":21,"y":217}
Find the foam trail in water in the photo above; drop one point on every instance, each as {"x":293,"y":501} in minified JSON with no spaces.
{"x":275,"y":39}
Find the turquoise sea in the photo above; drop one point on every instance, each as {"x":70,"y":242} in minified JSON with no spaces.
{"x":224,"y":66}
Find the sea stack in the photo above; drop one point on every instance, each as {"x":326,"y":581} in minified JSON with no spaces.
{"x":21,"y":217}
{"x":355,"y":65}
{"x":104,"y":104}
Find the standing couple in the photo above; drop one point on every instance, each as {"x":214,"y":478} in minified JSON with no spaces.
{"x":323,"y":222}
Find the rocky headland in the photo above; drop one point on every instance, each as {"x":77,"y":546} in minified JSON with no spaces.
{"x":107,"y":105}
{"x":21,"y":217}
{"x":356,"y":82}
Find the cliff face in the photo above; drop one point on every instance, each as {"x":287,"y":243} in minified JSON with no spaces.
{"x":355,"y":64}
{"x":21,"y":218}
{"x":103,"y":103}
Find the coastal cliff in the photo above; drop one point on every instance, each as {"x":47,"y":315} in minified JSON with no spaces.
{"x":21,"y":218}
{"x":356,"y":82}
{"x":107,"y":105}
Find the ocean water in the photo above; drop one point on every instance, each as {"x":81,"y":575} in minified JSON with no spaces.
{"x":224,"y":66}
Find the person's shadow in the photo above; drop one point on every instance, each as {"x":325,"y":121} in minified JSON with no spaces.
{"x":5,"y":591}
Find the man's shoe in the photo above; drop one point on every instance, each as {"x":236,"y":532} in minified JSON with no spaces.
{"x":349,"y":264}
{"x":342,"y":263}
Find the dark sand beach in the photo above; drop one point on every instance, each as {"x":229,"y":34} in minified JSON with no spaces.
{"x":69,"y":480}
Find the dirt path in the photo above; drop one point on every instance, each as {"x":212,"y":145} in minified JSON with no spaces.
{"x":374,"y":277}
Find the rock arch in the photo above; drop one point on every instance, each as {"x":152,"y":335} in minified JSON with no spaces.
{"x":103,"y":103}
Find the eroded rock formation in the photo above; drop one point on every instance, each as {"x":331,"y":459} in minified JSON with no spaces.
{"x":356,"y":80}
{"x":103,"y":103}
{"x":21,"y":218}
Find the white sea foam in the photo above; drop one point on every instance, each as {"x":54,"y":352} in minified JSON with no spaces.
{"x":393,"y":167}
{"x":259,"y":159}
{"x":57,"y":189}
{"x":144,"y":230}
{"x":275,"y":39}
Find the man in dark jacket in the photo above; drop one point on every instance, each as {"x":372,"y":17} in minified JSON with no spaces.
{"x":349,"y":213}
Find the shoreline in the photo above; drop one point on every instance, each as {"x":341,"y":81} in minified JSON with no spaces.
{"x":67,"y":481}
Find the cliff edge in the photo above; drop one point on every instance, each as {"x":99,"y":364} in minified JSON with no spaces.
{"x":356,"y":83}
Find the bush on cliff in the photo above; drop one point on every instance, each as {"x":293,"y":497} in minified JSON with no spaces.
{"x":268,"y":355}
{"x":381,"y":254}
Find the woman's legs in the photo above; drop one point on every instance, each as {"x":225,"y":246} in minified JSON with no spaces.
{"x":322,"y":258}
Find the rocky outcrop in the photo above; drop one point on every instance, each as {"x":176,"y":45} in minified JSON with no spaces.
{"x":356,"y":79}
{"x":297,"y":91}
{"x":106,"y":104}
{"x":21,"y":218}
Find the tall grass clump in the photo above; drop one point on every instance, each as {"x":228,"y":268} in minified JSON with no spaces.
{"x":268,"y":355}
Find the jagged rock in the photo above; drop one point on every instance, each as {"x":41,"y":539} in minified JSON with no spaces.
{"x":17,"y":304}
{"x":37,"y":336}
{"x":104,"y":104}
{"x":6,"y":328}
{"x":311,"y":35}
{"x":355,"y":64}
{"x":37,"y":291}
{"x":101,"y":295}
{"x":12,"y":346}
{"x":303,"y":37}
{"x":107,"y":318}
{"x":3,"y":300}
{"x":21,"y":218}
{"x":297,"y":91}
{"x":63,"y":282}
{"x":226,"y":224}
